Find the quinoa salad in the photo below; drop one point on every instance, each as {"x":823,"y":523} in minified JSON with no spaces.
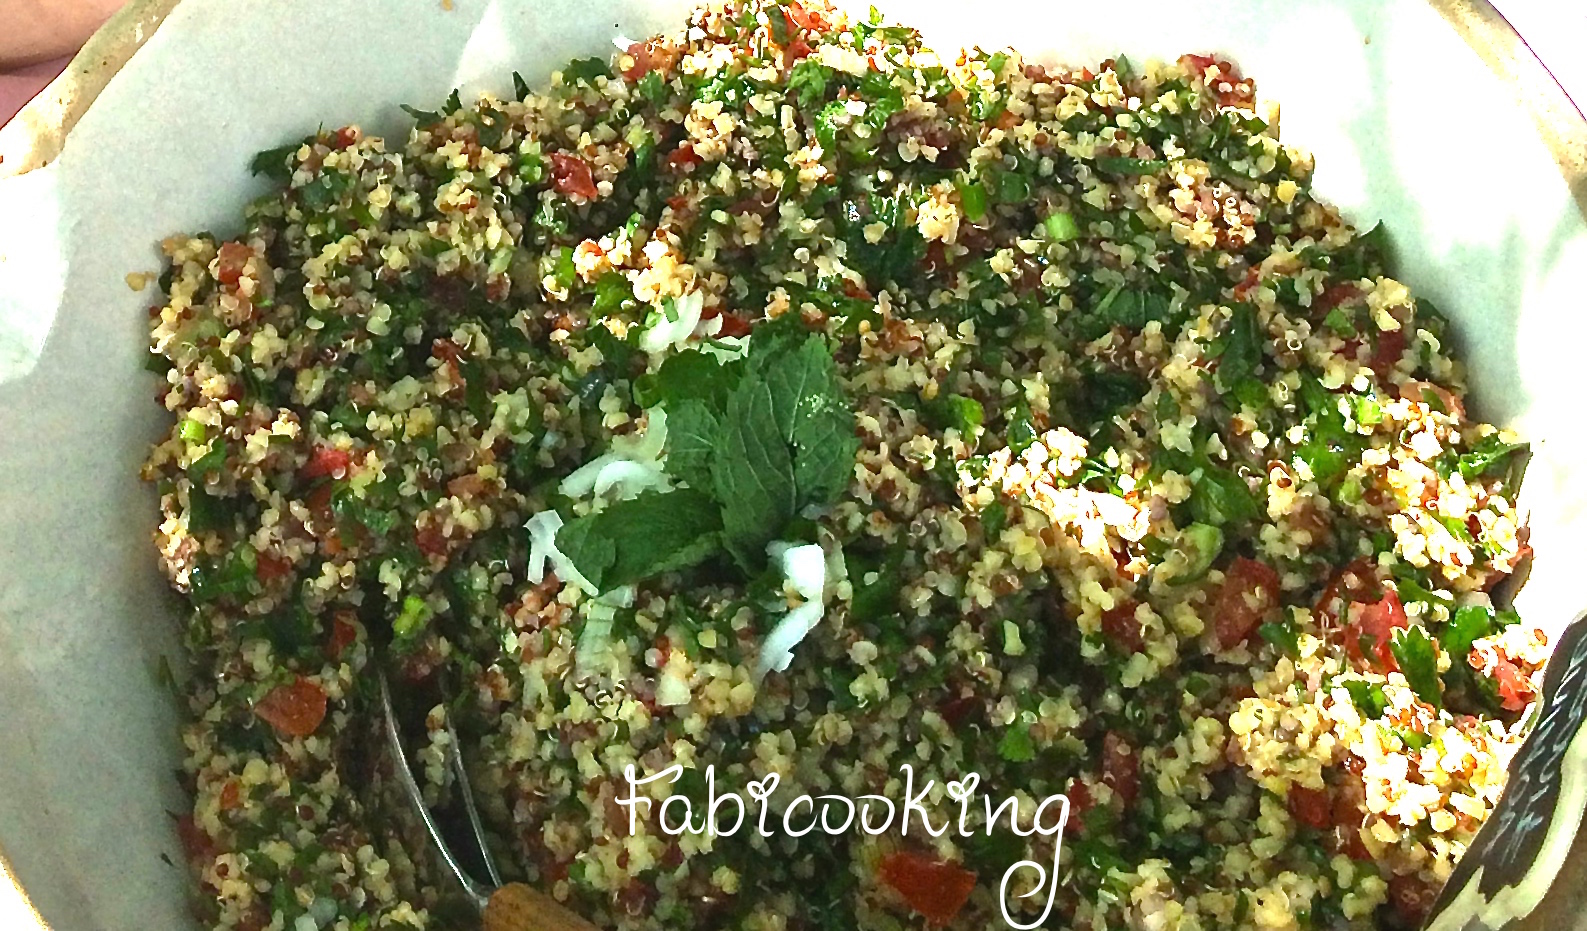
{"x":784,"y":396}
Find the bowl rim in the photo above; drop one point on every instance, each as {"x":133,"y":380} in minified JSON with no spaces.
{"x":39,"y":132}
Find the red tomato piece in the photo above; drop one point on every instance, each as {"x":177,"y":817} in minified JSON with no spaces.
{"x":1250,"y":591}
{"x":326,"y":461}
{"x":1120,"y":767}
{"x":571,"y":174}
{"x":295,"y":709}
{"x":640,"y":52}
{"x":1390,"y":347}
{"x":1355,"y":582}
{"x":1375,"y":623}
{"x":1311,"y":807}
{"x":269,"y":568}
{"x":683,"y":156}
{"x":936,"y":889}
{"x":733,"y":325}
{"x":1514,"y":690}
{"x":1120,"y":626}
{"x":344,"y":633}
{"x":233,"y":256}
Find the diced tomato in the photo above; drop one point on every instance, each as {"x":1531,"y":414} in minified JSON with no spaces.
{"x":1120,"y":767}
{"x":197,"y":844}
{"x":1250,"y":591}
{"x":431,"y":539}
{"x":347,"y":137}
{"x":1080,"y":802}
{"x":571,"y":174}
{"x":344,"y":633}
{"x":326,"y":461}
{"x":1349,"y":798}
{"x":733,"y":325}
{"x":1411,"y":897}
{"x":856,"y":290}
{"x":233,"y":256}
{"x":1120,"y":626}
{"x":640,"y":52}
{"x":1514,"y":689}
{"x":1334,"y":296}
{"x":1374,"y":623}
{"x":1355,"y":582}
{"x":957,"y":710}
{"x":683,"y":157}
{"x":797,"y":16}
{"x":268,"y":567}
{"x":1311,"y":807}
{"x":797,"y":49}
{"x":230,"y":795}
{"x":1390,"y":347}
{"x":295,"y":709}
{"x":935,"y":888}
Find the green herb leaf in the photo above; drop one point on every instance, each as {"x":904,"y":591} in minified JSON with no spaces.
{"x":1116,"y":165}
{"x":1281,"y":634}
{"x":753,"y":473}
{"x":693,"y":434}
{"x":586,"y":70}
{"x":1368,"y":697}
{"x":1016,"y":745}
{"x":807,"y":81}
{"x":275,"y":164}
{"x":1061,"y":227}
{"x":1239,"y":349}
{"x":1418,"y":659}
{"x":643,"y":537}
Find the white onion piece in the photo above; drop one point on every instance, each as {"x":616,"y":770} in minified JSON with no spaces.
{"x":595,"y":643}
{"x":628,"y":478}
{"x":805,"y":566}
{"x":581,"y":481}
{"x":776,"y":652}
{"x":543,"y":529}
{"x":623,"y":43}
{"x":646,"y":446}
{"x":666,"y":333}
{"x":620,"y":597}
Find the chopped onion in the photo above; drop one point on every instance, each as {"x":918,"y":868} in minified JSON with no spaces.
{"x":595,"y":642}
{"x":633,"y":465}
{"x":543,"y":528}
{"x":805,"y":566}
{"x":623,"y":43}
{"x":776,"y":651}
{"x":666,"y":333}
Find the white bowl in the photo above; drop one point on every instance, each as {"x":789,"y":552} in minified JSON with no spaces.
{"x":1428,"y":117}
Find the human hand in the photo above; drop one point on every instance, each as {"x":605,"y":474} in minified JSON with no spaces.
{"x":37,"y":38}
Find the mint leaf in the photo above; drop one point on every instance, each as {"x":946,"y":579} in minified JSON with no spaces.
{"x":693,"y":431}
{"x":814,"y":417}
{"x":692,"y":375}
{"x":591,"y":552}
{"x":753,"y":474}
{"x":643,"y":537}
{"x":1418,"y":659}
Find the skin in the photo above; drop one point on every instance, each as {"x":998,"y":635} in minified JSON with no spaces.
{"x":36,"y":39}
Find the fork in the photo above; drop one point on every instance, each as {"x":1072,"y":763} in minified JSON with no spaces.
{"x":503,"y":907}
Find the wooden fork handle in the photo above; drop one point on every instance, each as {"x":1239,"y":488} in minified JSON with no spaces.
{"x":517,"y":907}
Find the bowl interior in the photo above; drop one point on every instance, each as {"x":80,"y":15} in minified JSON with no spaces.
{"x":1407,"y":125}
